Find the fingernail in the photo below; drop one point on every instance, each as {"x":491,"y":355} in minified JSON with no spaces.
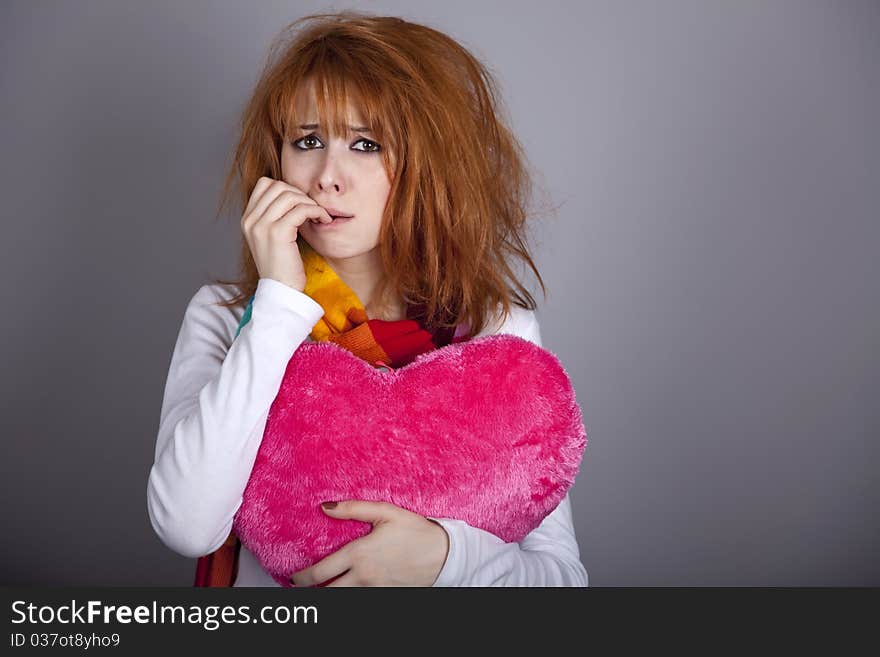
{"x":328,"y":505}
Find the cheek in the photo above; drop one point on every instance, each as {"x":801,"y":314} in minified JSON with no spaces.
{"x":380,"y":187}
{"x":297,"y":172}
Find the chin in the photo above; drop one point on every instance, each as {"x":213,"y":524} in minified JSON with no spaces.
{"x":330,"y":248}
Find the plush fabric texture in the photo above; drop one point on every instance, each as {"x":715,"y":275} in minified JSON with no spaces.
{"x":345,"y":323}
{"x":486,"y":431}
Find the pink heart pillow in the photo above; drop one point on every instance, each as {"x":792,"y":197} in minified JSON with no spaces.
{"x":487,"y":431}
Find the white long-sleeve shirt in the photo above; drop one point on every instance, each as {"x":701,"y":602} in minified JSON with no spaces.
{"x":214,"y":410}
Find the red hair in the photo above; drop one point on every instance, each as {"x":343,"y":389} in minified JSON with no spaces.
{"x":455,"y":219}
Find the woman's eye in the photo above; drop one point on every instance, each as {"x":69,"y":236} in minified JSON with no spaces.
{"x":307,"y":138}
{"x":311,"y":142}
{"x":371,"y":146}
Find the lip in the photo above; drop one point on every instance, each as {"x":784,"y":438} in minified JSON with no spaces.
{"x":320,"y":225}
{"x":335,"y":212}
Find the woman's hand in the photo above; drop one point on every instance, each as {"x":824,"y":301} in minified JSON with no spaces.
{"x":270,"y":224}
{"x":402,"y":549}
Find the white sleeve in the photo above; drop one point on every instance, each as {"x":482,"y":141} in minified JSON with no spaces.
{"x":547,"y":556}
{"x":214,"y":411}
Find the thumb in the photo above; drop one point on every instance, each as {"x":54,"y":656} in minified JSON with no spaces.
{"x":372,"y":512}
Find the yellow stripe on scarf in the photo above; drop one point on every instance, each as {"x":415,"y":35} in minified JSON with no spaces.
{"x":339,"y":302}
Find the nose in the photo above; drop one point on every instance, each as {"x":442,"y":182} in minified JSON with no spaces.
{"x":330,"y":178}
{"x":325,"y":184}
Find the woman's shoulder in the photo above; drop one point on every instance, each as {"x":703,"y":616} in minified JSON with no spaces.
{"x":520,"y":321}
{"x":212,"y":294}
{"x":206,"y":305}
{"x":205,"y":310}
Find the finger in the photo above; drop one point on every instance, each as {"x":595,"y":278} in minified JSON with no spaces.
{"x":330,"y":566}
{"x":265,"y":191}
{"x":373,"y":512}
{"x":281,"y":206}
{"x":347,"y":579}
{"x":288,"y":206}
{"x":259,"y":189}
{"x":296,"y":217}
{"x":278,"y":195}
{"x":258,"y":204}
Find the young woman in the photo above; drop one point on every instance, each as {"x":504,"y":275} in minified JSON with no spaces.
{"x":384,"y":202}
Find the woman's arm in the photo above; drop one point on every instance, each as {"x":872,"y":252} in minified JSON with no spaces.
{"x":548,"y":556}
{"x":214,"y":411}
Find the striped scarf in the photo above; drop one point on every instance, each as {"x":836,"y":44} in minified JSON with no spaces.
{"x":381,"y":343}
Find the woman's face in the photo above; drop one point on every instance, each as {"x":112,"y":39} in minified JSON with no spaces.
{"x":345,"y":174}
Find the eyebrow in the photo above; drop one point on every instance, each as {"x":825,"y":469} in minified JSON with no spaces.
{"x":353,"y":128}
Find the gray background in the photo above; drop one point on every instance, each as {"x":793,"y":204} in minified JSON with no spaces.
{"x":712,"y":268}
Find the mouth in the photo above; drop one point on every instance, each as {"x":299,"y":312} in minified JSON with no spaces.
{"x":338,"y":216}
{"x":337,"y":213}
{"x":338,"y":220}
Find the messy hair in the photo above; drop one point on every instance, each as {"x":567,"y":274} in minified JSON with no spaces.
{"x":455,"y":220}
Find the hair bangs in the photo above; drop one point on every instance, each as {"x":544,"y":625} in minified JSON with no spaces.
{"x":339,"y":86}
{"x":455,"y":224}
